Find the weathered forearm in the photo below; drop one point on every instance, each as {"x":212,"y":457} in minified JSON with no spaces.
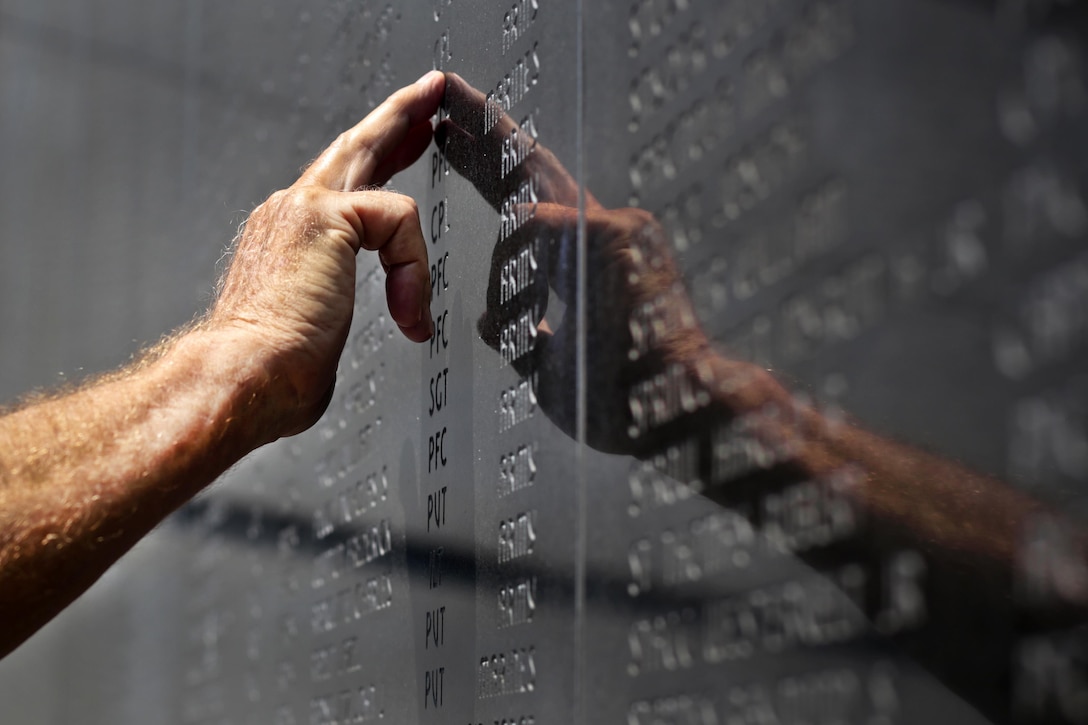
{"x":83,"y":477}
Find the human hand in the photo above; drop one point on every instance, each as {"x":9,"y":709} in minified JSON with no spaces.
{"x":287,"y":298}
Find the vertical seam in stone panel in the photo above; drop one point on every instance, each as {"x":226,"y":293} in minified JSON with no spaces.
{"x":580,"y":375}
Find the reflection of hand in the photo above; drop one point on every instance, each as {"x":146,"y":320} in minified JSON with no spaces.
{"x":288,"y":295}
{"x":477,"y":149}
{"x":638,"y":321}
{"x":636,"y":316}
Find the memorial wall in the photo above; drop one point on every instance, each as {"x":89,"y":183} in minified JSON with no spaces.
{"x":757,"y":393}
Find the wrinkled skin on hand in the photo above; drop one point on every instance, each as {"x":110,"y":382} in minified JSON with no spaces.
{"x":289,"y":292}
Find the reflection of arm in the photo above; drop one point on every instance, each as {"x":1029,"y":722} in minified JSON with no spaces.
{"x":941,"y":506}
{"x":938,"y":542}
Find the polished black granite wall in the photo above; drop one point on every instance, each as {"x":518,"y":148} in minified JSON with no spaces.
{"x":757,"y":394}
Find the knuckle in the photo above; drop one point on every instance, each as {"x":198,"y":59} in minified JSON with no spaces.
{"x":304,"y":195}
{"x":292,"y":207}
{"x":352,"y":142}
{"x":344,"y":140}
{"x":411,"y":208}
{"x":303,"y":200}
{"x":403,"y":206}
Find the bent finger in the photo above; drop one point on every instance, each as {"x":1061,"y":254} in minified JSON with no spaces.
{"x":354,"y":158}
{"x":388,"y":223}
